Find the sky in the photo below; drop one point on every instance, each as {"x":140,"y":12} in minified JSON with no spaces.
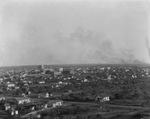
{"x":74,"y":32}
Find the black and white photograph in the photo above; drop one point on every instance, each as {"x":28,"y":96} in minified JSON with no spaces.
{"x":74,"y":59}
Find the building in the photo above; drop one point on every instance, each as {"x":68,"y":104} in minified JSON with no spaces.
{"x":56,"y":69}
{"x":48,"y":71}
{"x":57,"y":73}
{"x":44,"y":95}
{"x":61,"y":69}
{"x":41,"y":67}
{"x":102,"y":98}
{"x":54,"y":103}
{"x":66,"y":71}
{"x":22,"y":100}
{"x":72,"y":71}
{"x":19,"y":100}
{"x":2,"y":97}
{"x":14,"y":112}
{"x":9,"y":85}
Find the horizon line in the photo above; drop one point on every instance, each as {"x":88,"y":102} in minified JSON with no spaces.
{"x":148,"y":64}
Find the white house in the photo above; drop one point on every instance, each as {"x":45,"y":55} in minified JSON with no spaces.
{"x":10,"y":85}
{"x":22,"y":100}
{"x":14,"y":112}
{"x":2,"y":98}
{"x":102,"y":98}
{"x":7,"y":106}
{"x":47,"y":95}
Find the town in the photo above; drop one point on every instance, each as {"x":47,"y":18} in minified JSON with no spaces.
{"x":75,"y":59}
{"x":74,"y":91}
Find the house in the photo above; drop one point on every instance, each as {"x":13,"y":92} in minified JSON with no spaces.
{"x":44,"y":95}
{"x":47,"y":95}
{"x":41,"y":82}
{"x":7,"y":106}
{"x":14,"y":112}
{"x":28,"y":106}
{"x":17,"y":87}
{"x":85,"y":80}
{"x":2,"y":97}
{"x":10,"y":85}
{"x":1,"y":79}
{"x":54,"y":103}
{"x":102,"y":98}
{"x":20,"y":100}
{"x":56,"y":73}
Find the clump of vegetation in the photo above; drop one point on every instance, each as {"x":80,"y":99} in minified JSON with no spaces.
{"x":67,"y":111}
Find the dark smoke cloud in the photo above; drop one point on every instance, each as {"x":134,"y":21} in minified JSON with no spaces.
{"x":85,"y":46}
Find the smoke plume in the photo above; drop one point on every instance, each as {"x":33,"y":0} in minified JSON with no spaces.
{"x":62,"y":32}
